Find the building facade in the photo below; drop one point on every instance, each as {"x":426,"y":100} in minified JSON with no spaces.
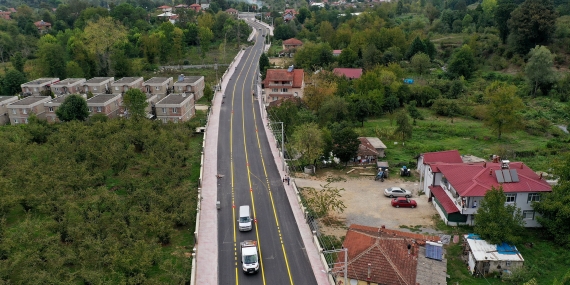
{"x":190,"y":85}
{"x":4,"y":102}
{"x":99,"y":85}
{"x":161,"y":86}
{"x":36,"y":87}
{"x":106,"y":104}
{"x":20,"y":111}
{"x":51,"y":106}
{"x":68,"y":86}
{"x":176,"y":108}
{"x":280,"y":84}
{"x":125,"y":84}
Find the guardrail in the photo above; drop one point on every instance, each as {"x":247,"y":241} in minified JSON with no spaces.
{"x":217,"y":92}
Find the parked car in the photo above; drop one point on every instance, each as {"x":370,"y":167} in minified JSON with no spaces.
{"x":397,"y":192}
{"x":404,"y":202}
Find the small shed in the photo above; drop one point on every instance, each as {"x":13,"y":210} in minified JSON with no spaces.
{"x":484,"y":258}
{"x":378,"y":145}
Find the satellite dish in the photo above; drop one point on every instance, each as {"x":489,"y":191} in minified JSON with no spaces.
{"x":353,"y":282}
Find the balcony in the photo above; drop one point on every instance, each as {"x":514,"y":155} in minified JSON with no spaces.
{"x":469,"y":211}
{"x":279,"y":84}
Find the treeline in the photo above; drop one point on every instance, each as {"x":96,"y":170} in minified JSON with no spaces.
{"x":87,"y":41}
{"x":97,"y":202}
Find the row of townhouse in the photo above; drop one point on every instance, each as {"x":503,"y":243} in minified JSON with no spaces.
{"x":168,"y":100}
{"x":456,"y":188}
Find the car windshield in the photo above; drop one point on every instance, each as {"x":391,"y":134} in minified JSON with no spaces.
{"x":244,"y":219}
{"x":250,"y":259}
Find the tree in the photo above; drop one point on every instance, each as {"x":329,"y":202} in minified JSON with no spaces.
{"x":317,"y":93}
{"x":51,"y":57}
{"x":333,"y":109}
{"x":462,"y":62}
{"x":532,"y":23}
{"x":205,"y":37}
{"x":502,"y":15}
{"x":345,"y":143}
{"x":420,"y":62}
{"x":496,"y":222}
{"x":539,"y":70}
{"x":312,"y":56}
{"x":263,"y":64}
{"x":361,"y":110}
{"x":304,"y":13}
{"x":323,"y":201}
{"x":502,"y":110}
{"x":208,"y":92}
{"x":554,"y":207}
{"x":18,"y":62}
{"x":432,"y":13}
{"x":74,"y":107}
{"x":404,"y":128}
{"x":307,"y":140}
{"x":416,"y":47}
{"x":413,"y":111}
{"x":101,"y":37}
{"x":135,"y":104}
{"x":73,"y":70}
{"x":12,"y":81}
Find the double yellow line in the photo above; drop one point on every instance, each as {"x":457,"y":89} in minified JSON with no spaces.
{"x":236,"y":257}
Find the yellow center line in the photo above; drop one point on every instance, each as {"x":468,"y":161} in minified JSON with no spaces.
{"x":269,"y":188}
{"x":249,"y":178}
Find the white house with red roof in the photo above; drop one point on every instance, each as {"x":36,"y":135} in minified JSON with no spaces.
{"x":456,"y":188}
{"x":350,"y":73}
{"x":280,"y":84}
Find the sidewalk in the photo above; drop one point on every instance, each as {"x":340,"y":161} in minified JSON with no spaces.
{"x":207,"y":243}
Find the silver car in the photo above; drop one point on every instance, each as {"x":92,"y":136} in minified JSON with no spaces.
{"x":397,"y":192}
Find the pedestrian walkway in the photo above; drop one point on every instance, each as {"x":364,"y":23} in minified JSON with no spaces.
{"x":207,"y":243}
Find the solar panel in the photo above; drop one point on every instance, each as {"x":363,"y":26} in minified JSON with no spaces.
{"x":507,"y":175}
{"x":434,"y":251}
{"x":499,"y":175}
{"x":290,"y":68}
{"x":514,"y":175}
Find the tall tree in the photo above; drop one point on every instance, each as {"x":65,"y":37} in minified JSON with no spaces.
{"x":307,"y":141}
{"x":324,"y":201}
{"x":416,"y":47}
{"x":496,"y":221}
{"x":539,"y":69}
{"x":345,"y":143}
{"x":74,"y":107}
{"x":135,"y":104}
{"x":318,"y":92}
{"x":420,"y":62}
{"x":263,"y":64}
{"x":503,"y":12}
{"x":532,"y":23}
{"x":432,"y":13}
{"x":205,"y":37}
{"x":101,"y":37}
{"x":413,"y":111}
{"x":18,"y":62}
{"x":404,"y":128}
{"x":462,"y":62}
{"x":51,"y":57}
{"x":12,"y":81}
{"x":503,"y":107}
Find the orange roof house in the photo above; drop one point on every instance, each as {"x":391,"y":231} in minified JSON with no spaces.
{"x":283,"y":83}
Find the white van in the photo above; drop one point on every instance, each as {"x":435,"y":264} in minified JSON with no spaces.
{"x":244,"y":218}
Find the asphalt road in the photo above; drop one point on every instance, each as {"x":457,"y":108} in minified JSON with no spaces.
{"x":251,"y":178}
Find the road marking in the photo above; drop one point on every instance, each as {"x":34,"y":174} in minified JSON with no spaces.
{"x":270,"y":193}
{"x":249,"y":179}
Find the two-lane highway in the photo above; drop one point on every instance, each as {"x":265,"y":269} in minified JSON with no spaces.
{"x":250,"y":177}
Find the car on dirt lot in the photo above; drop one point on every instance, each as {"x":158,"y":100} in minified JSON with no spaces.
{"x":397,"y":192}
{"x":404,"y":202}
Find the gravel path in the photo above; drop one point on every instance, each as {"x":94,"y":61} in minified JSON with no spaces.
{"x":366,"y":204}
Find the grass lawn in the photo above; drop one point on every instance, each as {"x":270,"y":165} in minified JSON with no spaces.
{"x":469,"y":136}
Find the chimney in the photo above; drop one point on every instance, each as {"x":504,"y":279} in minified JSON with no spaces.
{"x":369,"y":270}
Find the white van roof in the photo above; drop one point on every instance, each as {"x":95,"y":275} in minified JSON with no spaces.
{"x":244,"y":211}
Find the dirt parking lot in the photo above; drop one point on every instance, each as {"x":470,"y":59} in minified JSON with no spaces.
{"x":366,"y":204}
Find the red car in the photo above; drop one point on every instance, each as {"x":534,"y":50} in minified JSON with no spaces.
{"x":404,"y":202}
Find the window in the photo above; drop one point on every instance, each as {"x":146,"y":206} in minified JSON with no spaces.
{"x":164,"y":120}
{"x":511,"y":198}
{"x":174,"y":110}
{"x":50,"y":109}
{"x":508,"y":263}
{"x":57,"y":89}
{"x":528,"y":215}
{"x":176,"y":120}
{"x":25,"y":111}
{"x":533,"y":197}
{"x":126,"y":88}
{"x":94,"y":88}
{"x":157,"y":88}
{"x":90,"y":109}
{"x":274,"y":90}
{"x":285,"y":90}
{"x":98,"y":109}
{"x":180,"y":87}
{"x":116,"y":88}
{"x":35,"y":89}
{"x":164,"y":110}
{"x":15,"y":121}
{"x":26,"y":120}
{"x":14,"y":111}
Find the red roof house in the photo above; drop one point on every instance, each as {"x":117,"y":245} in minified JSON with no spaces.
{"x":390,"y":257}
{"x":42,"y":26}
{"x":457,"y":188}
{"x":337,"y":52}
{"x":5,"y":15}
{"x":350,"y":73}
{"x":196,"y":7}
{"x":283,"y":83}
{"x":232,"y":12}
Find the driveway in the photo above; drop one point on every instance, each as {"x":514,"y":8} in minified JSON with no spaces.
{"x":366,"y":204}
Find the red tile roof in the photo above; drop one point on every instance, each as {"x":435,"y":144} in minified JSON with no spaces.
{"x":385,"y":250}
{"x":42,"y":23}
{"x":351,"y":73}
{"x":292,"y":42}
{"x":164,"y":7}
{"x":443,"y":199}
{"x":232,"y":10}
{"x":450,"y":156}
{"x":337,"y":51}
{"x":474,"y":180}
{"x":290,"y":11}
{"x":283,"y":75}
{"x":366,"y":148}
